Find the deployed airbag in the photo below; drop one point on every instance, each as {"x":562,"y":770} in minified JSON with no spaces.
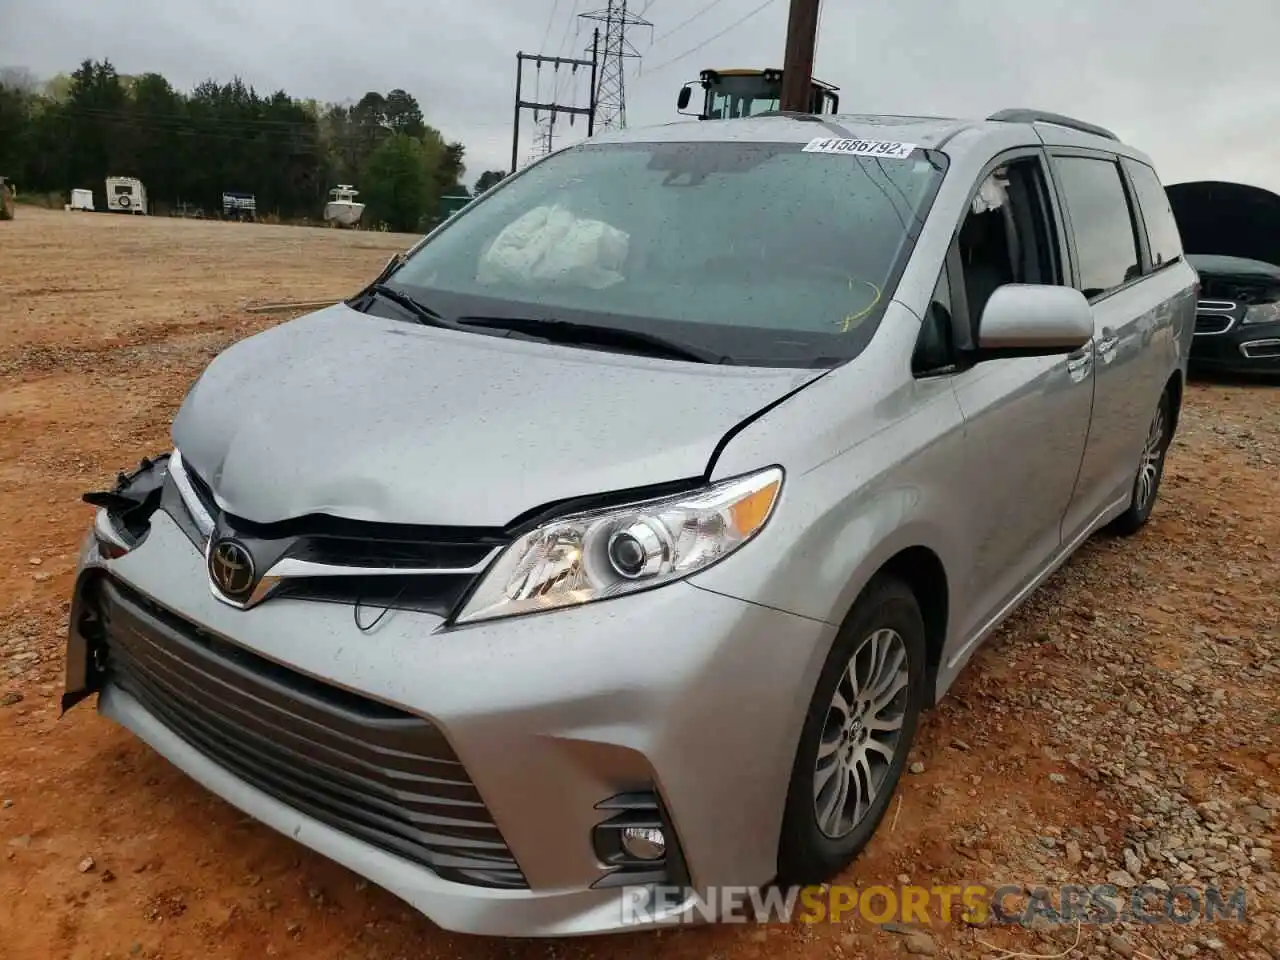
{"x":549,"y":244}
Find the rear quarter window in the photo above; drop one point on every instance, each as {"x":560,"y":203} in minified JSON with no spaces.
{"x":1098,"y":208}
{"x":1157,"y":214}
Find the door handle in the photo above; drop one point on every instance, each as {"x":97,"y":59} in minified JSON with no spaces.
{"x":1107,"y":344}
{"x":1078,"y":363}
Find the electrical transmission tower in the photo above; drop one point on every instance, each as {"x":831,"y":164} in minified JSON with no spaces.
{"x":544,"y":138}
{"x":611,"y":90}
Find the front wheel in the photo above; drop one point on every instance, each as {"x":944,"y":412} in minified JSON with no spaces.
{"x":856,"y":737}
{"x":1146,"y":485}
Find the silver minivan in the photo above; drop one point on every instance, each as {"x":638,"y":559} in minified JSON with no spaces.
{"x":613,"y":540}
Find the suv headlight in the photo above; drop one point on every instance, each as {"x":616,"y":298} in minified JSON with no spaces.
{"x":621,"y":550}
{"x":1262,"y":313}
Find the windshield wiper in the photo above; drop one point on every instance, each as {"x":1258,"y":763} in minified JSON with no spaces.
{"x":424,"y":314}
{"x":572,"y":332}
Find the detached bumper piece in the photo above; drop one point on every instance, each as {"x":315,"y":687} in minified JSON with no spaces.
{"x":370,"y":770}
{"x":127,"y":508}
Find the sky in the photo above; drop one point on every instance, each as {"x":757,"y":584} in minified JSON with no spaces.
{"x":1192,"y":84}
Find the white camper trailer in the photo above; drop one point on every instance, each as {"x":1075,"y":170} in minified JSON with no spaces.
{"x":126,"y":195}
{"x":81,"y":200}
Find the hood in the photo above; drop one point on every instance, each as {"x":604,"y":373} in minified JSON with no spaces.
{"x":1227,"y":219}
{"x":1234,"y":268}
{"x":356,"y":416}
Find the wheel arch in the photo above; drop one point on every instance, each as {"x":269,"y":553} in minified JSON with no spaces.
{"x":1174,"y":386}
{"x":913,"y":560}
{"x":923,"y":572}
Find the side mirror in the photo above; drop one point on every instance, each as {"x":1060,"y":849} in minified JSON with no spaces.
{"x":686,"y":94}
{"x":1030,"y":320}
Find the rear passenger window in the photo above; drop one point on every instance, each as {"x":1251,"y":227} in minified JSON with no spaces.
{"x":1162,"y":229}
{"x":1098,"y":206}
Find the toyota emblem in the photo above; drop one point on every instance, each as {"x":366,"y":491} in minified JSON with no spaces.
{"x":231,"y":569}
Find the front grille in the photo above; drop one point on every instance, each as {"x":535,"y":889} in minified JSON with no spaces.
{"x":370,"y":770}
{"x":375,"y":553}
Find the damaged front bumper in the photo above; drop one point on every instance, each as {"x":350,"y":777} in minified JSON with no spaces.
{"x":550,"y":734}
{"x":121,"y":525}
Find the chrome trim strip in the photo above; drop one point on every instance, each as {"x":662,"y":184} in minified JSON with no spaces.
{"x":1271,"y":342}
{"x":178,"y":470}
{"x":1215,"y":306}
{"x":292,"y":567}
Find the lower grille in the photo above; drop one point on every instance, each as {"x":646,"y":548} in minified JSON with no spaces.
{"x":1213,"y":323}
{"x":1260,"y":349}
{"x":370,"y":770}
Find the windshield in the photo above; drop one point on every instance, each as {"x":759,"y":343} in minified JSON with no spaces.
{"x":764,"y":254}
{"x":733,"y":97}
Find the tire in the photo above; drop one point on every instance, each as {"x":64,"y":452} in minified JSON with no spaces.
{"x":1150,"y":468}
{"x":808,"y":852}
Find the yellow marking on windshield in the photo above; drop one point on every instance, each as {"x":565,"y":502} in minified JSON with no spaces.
{"x":848,"y":323}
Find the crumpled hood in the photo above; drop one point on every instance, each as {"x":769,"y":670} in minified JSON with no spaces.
{"x":356,"y":416}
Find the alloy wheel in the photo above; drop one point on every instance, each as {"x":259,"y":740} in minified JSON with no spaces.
{"x":1152,"y":457}
{"x":861,"y":734}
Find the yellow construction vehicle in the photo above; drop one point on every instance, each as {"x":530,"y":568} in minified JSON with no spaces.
{"x":746,"y":93}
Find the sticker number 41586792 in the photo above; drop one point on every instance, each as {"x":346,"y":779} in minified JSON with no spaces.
{"x":884,"y":149}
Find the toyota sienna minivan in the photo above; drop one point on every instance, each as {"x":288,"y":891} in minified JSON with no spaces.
{"x":612,"y":541}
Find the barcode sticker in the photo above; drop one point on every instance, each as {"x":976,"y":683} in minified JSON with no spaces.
{"x":882,"y":149}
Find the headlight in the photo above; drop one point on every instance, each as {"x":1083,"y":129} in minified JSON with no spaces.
{"x":594,"y":556}
{"x":1262,"y":313}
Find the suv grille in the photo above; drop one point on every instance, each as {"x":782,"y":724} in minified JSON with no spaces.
{"x":370,"y":770}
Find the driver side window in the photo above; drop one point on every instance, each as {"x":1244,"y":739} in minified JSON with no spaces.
{"x":1007,"y":237}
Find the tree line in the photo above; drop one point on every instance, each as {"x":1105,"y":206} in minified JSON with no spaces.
{"x":188,"y":148}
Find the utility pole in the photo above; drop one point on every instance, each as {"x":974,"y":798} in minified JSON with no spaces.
{"x":797,"y":65}
{"x":611,"y":94}
{"x":552,"y":108}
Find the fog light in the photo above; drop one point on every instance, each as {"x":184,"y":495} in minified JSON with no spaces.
{"x":644,"y":843}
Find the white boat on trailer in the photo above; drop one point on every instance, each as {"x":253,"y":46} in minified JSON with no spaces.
{"x":342,"y":208}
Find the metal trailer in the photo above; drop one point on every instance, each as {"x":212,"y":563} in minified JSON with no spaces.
{"x":239,"y":206}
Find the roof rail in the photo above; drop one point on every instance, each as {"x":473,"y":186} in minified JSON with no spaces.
{"x":1057,"y":119}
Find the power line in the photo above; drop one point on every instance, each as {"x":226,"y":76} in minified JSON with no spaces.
{"x":662,"y":36}
{"x":715,"y":36}
{"x":576,"y":24}
{"x":547,"y":33}
{"x":688,"y":20}
{"x":571,"y":22}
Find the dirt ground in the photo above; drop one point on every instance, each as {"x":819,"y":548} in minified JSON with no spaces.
{"x":1124,"y":727}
